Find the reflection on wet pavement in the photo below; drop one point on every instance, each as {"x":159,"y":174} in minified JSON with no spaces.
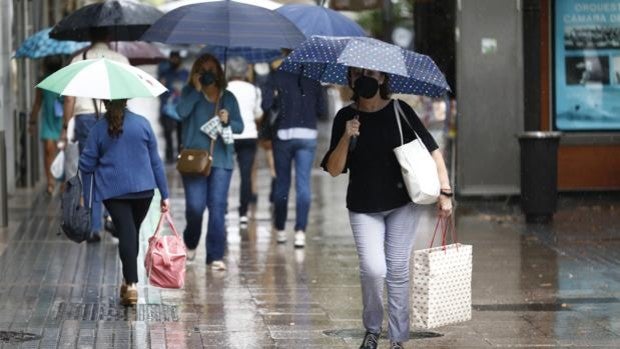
{"x":533,"y":285}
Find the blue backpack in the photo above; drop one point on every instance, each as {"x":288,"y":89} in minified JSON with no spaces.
{"x":76,"y":217}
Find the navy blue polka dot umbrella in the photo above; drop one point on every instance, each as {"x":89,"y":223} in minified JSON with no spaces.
{"x":326,"y":59}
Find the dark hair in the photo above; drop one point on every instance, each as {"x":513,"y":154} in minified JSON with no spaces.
{"x":115,"y":114}
{"x":99,"y":34}
{"x":220,"y":79}
{"x":384,"y":89}
{"x":51,"y":64}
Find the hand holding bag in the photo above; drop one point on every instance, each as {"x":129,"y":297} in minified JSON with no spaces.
{"x":165,"y":257}
{"x":417,"y":165}
{"x":197,"y":162}
{"x":441,"y":287}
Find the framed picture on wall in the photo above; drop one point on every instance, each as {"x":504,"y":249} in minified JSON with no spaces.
{"x":586,"y":58}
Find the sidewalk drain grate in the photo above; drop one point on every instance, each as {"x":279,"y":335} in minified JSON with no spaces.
{"x":522,"y":307}
{"x":115,"y":312}
{"x":357,"y":333}
{"x":17,"y":337}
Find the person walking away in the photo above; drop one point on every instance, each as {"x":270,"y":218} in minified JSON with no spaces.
{"x":301,"y":105}
{"x":172,"y":75}
{"x":249,"y":99}
{"x":263,"y":79}
{"x":86,"y":112}
{"x":121,"y":153}
{"x":49,"y":105}
{"x":382,"y":217}
{"x":204,"y":92}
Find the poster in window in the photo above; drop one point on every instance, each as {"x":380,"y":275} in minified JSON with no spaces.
{"x":587,"y":65}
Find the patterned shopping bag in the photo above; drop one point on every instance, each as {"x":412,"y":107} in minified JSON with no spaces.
{"x":441,"y":292}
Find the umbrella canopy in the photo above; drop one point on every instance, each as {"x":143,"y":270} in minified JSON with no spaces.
{"x":251,"y":55}
{"x":318,"y":20}
{"x":126,"y":20}
{"x":41,"y":45}
{"x":169,"y":6}
{"x":225,"y":23}
{"x":327,"y":58}
{"x":139,"y":52}
{"x":102,"y":79}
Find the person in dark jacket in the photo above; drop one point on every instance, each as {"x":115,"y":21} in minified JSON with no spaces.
{"x":121,"y":155}
{"x":294,"y":142}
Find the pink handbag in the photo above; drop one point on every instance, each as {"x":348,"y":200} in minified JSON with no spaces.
{"x":165,"y":257}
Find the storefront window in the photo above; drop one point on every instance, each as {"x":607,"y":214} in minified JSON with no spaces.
{"x":587,"y":65}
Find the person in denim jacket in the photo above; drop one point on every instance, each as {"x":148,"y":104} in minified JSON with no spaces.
{"x":207,"y":85}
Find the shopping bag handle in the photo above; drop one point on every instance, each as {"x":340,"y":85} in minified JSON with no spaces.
{"x":444,"y":231}
{"x":168,"y":218}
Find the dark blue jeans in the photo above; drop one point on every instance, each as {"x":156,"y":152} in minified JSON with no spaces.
{"x":83,"y":124}
{"x":300,"y":151}
{"x":246,"y":152}
{"x":212,"y":193}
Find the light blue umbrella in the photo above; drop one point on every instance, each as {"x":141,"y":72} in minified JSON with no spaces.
{"x":251,"y":55}
{"x":40,"y":45}
{"x":327,"y":59}
{"x":318,"y":20}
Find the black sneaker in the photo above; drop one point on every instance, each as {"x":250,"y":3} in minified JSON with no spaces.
{"x":396,"y":345}
{"x":370,"y":341}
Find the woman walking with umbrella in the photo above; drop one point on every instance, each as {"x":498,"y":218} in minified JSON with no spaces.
{"x":50,"y":106}
{"x":205,"y":101}
{"x":382,"y":215}
{"x":383,"y":218}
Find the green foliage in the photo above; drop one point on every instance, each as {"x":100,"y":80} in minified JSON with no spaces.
{"x":402,"y":14}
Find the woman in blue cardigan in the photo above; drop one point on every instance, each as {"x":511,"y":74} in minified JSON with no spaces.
{"x":206,"y":87}
{"x":121,"y":152}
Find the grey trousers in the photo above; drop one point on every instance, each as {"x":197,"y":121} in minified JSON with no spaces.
{"x":384,"y":241}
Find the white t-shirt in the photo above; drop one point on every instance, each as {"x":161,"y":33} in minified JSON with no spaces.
{"x":249,"y":99}
{"x":98,"y":50}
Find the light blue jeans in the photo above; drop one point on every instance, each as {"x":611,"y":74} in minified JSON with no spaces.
{"x":384,"y":241}
{"x":285,"y":153}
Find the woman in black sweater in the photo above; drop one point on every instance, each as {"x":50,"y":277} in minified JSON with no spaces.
{"x":383,"y":218}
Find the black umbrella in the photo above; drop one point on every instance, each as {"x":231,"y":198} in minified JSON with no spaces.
{"x":125,"y":20}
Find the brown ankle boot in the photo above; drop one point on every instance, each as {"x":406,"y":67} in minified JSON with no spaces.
{"x":130,"y":297}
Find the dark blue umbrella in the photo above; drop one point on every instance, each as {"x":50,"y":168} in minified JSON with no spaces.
{"x":40,"y":45}
{"x":251,"y":55}
{"x":318,"y":20}
{"x":327,"y":58}
{"x":225,"y":23}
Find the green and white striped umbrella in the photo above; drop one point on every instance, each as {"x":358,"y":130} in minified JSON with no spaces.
{"x":102,"y":79}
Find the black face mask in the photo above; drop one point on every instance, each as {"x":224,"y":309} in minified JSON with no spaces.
{"x":366,"y":87}
{"x":207,"y":78}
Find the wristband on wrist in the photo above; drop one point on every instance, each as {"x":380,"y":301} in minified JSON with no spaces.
{"x":446,"y":194}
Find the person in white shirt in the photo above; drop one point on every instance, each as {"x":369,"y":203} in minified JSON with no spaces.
{"x":249,"y":98}
{"x":87,"y":111}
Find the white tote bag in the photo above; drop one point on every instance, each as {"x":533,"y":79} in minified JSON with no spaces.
{"x":441,"y":291}
{"x":417,"y":165}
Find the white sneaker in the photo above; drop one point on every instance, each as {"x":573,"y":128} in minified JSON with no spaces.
{"x":300,"y":239}
{"x":281,"y":236}
{"x":243,"y":221}
{"x":218,"y":265}
{"x":190,"y":255}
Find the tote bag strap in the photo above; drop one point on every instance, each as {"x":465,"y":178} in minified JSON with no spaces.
{"x":166,"y":216}
{"x":398,"y":112}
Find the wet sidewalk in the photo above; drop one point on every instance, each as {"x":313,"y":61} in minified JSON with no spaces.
{"x":534,"y":286}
